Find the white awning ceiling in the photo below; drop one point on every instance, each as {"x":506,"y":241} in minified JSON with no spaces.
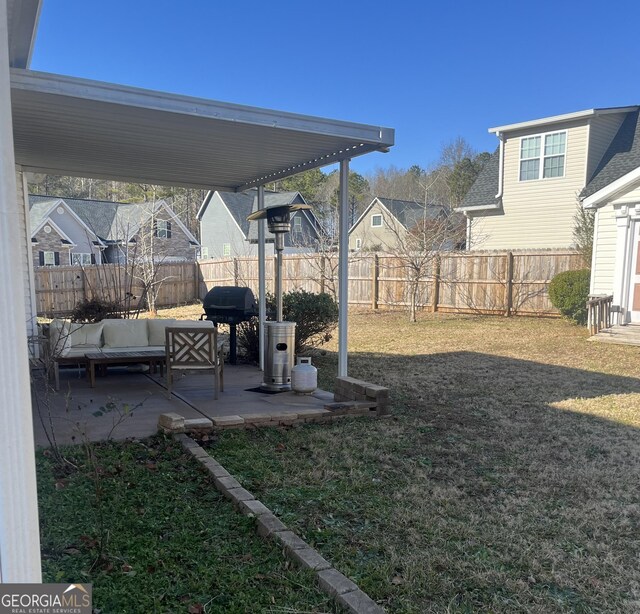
{"x":70,"y":126}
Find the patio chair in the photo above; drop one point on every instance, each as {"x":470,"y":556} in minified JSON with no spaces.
{"x":197,"y":349}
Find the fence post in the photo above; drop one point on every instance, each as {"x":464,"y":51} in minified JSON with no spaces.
{"x":196,"y":280}
{"x":509,"y":292}
{"x":435,"y":291}
{"x":323,"y":264}
{"x":236,"y":274}
{"x":375,"y":276}
{"x":84,"y":283}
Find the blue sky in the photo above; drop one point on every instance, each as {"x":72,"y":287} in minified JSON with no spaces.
{"x":430,"y":72}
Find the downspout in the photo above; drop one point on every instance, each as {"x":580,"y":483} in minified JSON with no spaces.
{"x":468,"y":238}
{"x":500,"y":135}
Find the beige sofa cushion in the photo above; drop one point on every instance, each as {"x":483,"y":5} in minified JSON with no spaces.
{"x":125,"y":333}
{"x":142,"y":349}
{"x":156,"y":330}
{"x":87,"y":334}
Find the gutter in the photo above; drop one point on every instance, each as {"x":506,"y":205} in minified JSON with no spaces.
{"x":500,"y":135}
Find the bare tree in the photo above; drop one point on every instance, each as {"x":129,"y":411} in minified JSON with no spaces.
{"x":427,"y":232}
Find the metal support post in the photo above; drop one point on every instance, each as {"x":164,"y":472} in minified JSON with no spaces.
{"x":262,"y":282}
{"x":343,"y":268}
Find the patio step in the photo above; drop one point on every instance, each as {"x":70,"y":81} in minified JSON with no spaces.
{"x":625,"y":335}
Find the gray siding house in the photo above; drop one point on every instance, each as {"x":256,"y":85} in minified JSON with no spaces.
{"x":225,"y":231}
{"x":75,"y":231}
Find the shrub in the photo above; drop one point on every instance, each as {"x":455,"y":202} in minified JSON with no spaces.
{"x":315,"y":315}
{"x":95,"y":310}
{"x":569,"y":292}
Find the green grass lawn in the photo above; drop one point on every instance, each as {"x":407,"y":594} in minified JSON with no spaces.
{"x":153,"y":535}
{"x":506,"y":480}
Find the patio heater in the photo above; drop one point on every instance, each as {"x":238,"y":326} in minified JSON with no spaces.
{"x":279,"y":335}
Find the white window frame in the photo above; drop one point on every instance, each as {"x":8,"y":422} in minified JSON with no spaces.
{"x":85,"y":258}
{"x":375,"y":216}
{"x":226,"y":249}
{"x":204,"y":252}
{"x":53,"y":259}
{"x":541,"y":156}
{"x":162,"y":229}
{"x":358,"y":243}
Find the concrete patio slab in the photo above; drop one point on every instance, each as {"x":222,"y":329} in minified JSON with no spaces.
{"x":74,"y":407}
{"x":196,"y":389}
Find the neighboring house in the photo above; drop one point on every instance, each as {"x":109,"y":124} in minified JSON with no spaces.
{"x":225,"y":231}
{"x":75,"y":231}
{"x":527,"y":195}
{"x":385,"y":223}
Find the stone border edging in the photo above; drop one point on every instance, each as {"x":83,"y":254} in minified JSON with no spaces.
{"x":329,"y":580}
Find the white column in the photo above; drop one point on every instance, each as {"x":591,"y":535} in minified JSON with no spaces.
{"x":19,"y":531}
{"x":343,"y":269}
{"x":621,"y":272}
{"x":262,"y":284}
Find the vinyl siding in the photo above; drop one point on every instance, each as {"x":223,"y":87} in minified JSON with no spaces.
{"x":384,"y":237}
{"x":536,"y":214}
{"x":218,"y":227}
{"x":601,"y":132}
{"x":605,"y":238}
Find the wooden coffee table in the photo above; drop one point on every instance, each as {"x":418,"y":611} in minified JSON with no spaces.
{"x":153,"y":358}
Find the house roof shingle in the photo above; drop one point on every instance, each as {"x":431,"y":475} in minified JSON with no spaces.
{"x":243,"y":204}
{"x":622,"y":156}
{"x":110,"y":221}
{"x":409,"y":212}
{"x":98,"y":215}
{"x":483,"y":191}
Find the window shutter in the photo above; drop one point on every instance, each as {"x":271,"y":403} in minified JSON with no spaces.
{"x":168,"y":230}
{"x":56,"y":258}
{"x":41,"y":258}
{"x":155,"y":228}
{"x":93,"y":258}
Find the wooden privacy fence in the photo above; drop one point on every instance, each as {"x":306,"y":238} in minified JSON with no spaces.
{"x":59,"y":289}
{"x":472,"y":282}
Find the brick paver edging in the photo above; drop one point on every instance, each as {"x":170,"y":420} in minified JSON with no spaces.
{"x":330,"y":580}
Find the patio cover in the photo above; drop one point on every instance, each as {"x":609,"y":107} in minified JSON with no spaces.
{"x":71,"y":126}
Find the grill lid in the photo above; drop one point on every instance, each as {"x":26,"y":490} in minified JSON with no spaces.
{"x":230,"y":298}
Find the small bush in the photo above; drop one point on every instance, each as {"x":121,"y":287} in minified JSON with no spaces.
{"x":569,"y":292}
{"x":315,"y":315}
{"x":95,"y":310}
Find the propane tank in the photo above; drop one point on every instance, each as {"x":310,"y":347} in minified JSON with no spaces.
{"x":304,"y":377}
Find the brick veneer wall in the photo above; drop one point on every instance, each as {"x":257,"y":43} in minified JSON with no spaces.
{"x":50,"y":242}
{"x":352,"y":389}
{"x":176,"y":246}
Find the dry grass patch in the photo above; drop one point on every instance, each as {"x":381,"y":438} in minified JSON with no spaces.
{"x":505,"y":482}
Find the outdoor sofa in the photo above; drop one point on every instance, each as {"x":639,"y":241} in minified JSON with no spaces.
{"x":69,"y":342}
